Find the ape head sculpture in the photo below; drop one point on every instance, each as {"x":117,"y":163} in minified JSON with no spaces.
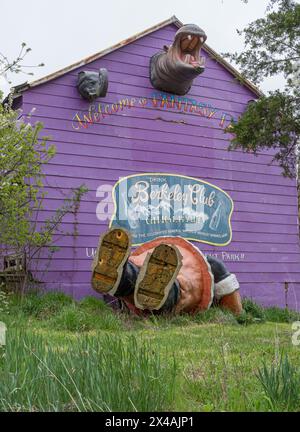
{"x":174,"y":69}
{"x":92,"y":85}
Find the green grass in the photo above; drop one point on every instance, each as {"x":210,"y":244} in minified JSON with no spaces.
{"x":40,"y":306}
{"x":63,"y":355}
{"x":91,"y":374}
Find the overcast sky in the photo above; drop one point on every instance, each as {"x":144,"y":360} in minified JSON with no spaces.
{"x":61,"y":32}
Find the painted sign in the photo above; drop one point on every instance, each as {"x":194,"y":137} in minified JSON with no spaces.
{"x":158,"y":204}
{"x":99,"y":112}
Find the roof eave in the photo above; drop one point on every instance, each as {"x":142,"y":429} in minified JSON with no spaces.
{"x":89,"y":59}
{"x":173,"y":20}
{"x":233,"y":70}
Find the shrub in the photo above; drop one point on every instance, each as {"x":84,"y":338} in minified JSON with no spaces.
{"x":254,"y":310}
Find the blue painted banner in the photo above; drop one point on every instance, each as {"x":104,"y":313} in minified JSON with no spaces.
{"x":157,"y":204}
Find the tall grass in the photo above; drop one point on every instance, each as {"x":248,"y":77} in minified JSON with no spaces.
{"x":60,"y":312}
{"x":281,"y":385}
{"x":92,"y":374}
{"x":75,"y":318}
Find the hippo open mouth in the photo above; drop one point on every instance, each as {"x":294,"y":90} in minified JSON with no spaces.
{"x":174,"y":69}
{"x":187,"y":48}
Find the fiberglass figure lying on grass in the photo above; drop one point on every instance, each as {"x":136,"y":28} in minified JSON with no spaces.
{"x":165,"y":275}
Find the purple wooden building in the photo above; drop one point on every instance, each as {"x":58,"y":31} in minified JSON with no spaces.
{"x":136,"y":129}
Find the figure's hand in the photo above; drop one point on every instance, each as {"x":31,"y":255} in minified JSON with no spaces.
{"x":232,"y":302}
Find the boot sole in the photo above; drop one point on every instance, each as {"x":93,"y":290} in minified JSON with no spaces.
{"x":156,"y":277}
{"x":112,"y":253}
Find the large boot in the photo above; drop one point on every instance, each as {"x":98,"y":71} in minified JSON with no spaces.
{"x":112,"y":253}
{"x":156,"y":277}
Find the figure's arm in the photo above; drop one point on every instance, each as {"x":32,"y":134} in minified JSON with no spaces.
{"x":226,"y":290}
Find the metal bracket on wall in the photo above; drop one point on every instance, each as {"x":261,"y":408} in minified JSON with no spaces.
{"x":286,"y":290}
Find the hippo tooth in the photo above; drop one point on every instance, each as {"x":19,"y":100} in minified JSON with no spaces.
{"x":187,"y":58}
{"x":185,"y":43}
{"x":193,"y":43}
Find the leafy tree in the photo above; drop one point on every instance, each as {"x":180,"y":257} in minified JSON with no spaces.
{"x":272,"y":46}
{"x":23,"y":154}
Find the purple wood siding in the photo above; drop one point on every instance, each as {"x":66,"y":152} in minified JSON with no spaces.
{"x":264,"y":252}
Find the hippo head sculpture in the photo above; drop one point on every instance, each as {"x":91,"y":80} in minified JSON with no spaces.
{"x":92,"y":85}
{"x":174,"y":69}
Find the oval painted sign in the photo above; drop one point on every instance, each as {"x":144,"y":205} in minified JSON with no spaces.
{"x":157,"y":204}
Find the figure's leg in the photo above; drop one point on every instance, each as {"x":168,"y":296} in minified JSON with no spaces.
{"x":155,"y":285}
{"x":226,"y":290}
{"x":111,"y":256}
{"x":128,"y":280}
{"x":157,"y":279}
{"x":172,"y":299}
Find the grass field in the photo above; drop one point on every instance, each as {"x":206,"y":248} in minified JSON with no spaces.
{"x":67,"y":356}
